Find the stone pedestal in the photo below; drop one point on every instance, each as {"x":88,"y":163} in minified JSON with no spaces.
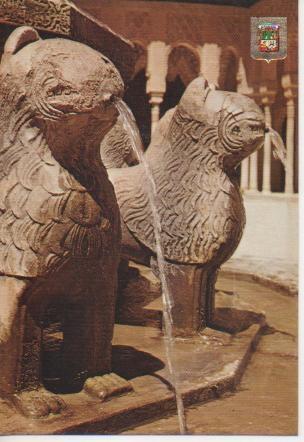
{"x":205,"y":366}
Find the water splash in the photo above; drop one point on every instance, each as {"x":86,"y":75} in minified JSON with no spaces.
{"x":132,"y":129}
{"x":279,"y":151}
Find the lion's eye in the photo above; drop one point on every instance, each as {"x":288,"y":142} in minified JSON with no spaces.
{"x":59,"y":90}
{"x":236,"y":130}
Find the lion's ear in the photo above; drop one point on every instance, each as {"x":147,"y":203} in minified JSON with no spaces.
{"x":19,"y":38}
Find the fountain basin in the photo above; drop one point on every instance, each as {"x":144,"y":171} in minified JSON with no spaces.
{"x":209,"y":366}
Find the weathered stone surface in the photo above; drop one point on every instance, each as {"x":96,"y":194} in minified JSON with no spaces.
{"x":63,"y":17}
{"x":252,"y":296}
{"x":215,"y":367}
{"x":265,"y":402}
{"x":192,"y":170}
{"x":259,"y":407}
{"x":275,"y":273}
{"x":139,"y":303}
{"x":58,"y":213}
{"x":192,"y":160}
{"x":138,"y":300}
{"x":51,"y":15}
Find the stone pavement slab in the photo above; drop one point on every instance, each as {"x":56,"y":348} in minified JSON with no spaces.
{"x":277,"y":274}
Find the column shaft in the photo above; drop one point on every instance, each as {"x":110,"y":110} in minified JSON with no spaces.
{"x":267,"y":153}
{"x":289,"y":188}
{"x":253,"y":180}
{"x":245,"y":174}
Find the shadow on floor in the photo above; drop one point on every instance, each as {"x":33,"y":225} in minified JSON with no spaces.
{"x":233,"y":320}
{"x":129,"y":363}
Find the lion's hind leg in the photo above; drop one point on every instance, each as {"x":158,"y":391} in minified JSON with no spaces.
{"x":20,"y":353}
{"x":11,"y":331}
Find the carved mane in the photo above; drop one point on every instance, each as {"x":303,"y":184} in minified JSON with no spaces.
{"x":193,"y":195}
{"x":48,"y":214}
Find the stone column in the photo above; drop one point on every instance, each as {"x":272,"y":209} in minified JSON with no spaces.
{"x":210,"y":62}
{"x":245,"y":174}
{"x":157,"y":68}
{"x":253,"y":179}
{"x":155,"y":100}
{"x":289,"y":94}
{"x":253,"y":159}
{"x":243,"y":88}
{"x":267,"y":98}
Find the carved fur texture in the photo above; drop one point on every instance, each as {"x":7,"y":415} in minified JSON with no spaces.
{"x":192,"y":157}
{"x":56,"y":202}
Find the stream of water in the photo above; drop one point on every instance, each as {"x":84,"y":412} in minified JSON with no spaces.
{"x":167,"y":298}
{"x":279,"y":151}
{"x":131,"y":128}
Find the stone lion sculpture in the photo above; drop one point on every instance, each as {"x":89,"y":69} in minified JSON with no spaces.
{"x":192,"y":156}
{"x":59,"y":219}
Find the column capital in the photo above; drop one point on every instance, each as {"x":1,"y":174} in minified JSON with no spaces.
{"x":290,"y":86}
{"x":263,"y":95}
{"x":157,"y":67}
{"x":156,"y":97}
{"x":266,"y":96}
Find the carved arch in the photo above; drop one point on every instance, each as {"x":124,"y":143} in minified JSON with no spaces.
{"x":141,"y":57}
{"x":183,"y":61}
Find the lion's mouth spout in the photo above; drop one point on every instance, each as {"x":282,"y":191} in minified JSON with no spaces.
{"x":130,"y":127}
{"x":279,"y":149}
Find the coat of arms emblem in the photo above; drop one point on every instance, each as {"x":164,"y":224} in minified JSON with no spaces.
{"x":268,"y":38}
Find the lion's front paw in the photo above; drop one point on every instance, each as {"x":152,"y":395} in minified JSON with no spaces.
{"x":38,"y":403}
{"x":106,"y":386}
